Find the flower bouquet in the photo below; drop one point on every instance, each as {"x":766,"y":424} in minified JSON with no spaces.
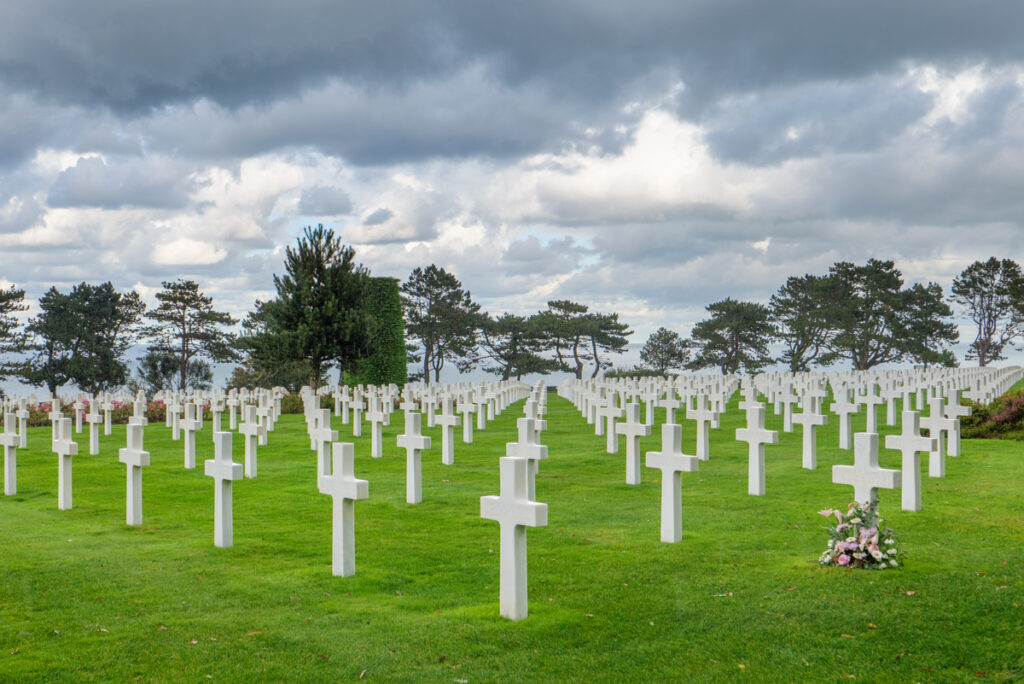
{"x":860,"y":539}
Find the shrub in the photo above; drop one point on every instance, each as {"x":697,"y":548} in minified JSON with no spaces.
{"x":1002,"y":419}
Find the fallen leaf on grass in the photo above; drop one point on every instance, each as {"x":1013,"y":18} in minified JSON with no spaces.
{"x":911,"y":593}
{"x":849,"y":676}
{"x":872,"y":625}
{"x":102,"y":629}
{"x":742,"y":666}
{"x":252,"y":633}
{"x":847,"y":636}
{"x":981,"y":573}
{"x":805,"y":662}
{"x":981,"y":674}
{"x":161,"y":628}
{"x":15,"y":651}
{"x":194,"y":642}
{"x":322,"y":657}
{"x":362,"y":673}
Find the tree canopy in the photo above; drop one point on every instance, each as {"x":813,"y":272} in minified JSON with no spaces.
{"x":441,"y":316}
{"x":992,"y":294}
{"x":665,"y":350}
{"x":737,"y":335}
{"x":187,"y":328}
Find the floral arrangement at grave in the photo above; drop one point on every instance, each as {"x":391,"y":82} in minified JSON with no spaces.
{"x":860,"y":539}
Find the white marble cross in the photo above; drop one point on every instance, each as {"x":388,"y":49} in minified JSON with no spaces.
{"x":756,"y":436}
{"x":787,"y":399}
{"x":809,"y":420}
{"x":514,"y":511}
{"x":706,"y":418}
{"x":358,"y":406}
{"x":376,"y":417}
{"x":529,"y":448}
{"x":467,"y":408}
{"x":633,"y":428}
{"x":911,"y":443}
{"x":414,"y":443}
{"x":865,"y":476}
{"x":322,"y":435}
{"x":609,"y":412}
{"x":139,"y":411}
{"x":94,"y":419}
{"x":938,"y":426}
{"x":10,"y":441}
{"x":23,"y":415}
{"x":343,"y":487}
{"x":216,"y":409}
{"x":843,"y":407}
{"x":671,"y":403}
{"x":871,"y":401}
{"x":673,"y":463}
{"x":134,"y":458}
{"x":54,"y":415}
{"x":78,"y":406}
{"x":954,"y":410}
{"x":251,"y":429}
{"x":190,"y":425}
{"x":108,"y":410}
{"x":448,"y":422}
{"x":224,"y":471}
{"x":65,"y":448}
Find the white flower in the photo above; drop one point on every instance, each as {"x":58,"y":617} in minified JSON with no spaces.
{"x":831,"y":542}
{"x":876,"y":554}
{"x":855,"y":521}
{"x":890,"y":541}
{"x":893,"y":563}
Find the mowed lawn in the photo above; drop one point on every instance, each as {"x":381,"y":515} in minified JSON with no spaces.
{"x":84,"y":597}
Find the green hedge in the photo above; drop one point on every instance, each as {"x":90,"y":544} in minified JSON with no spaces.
{"x":386,"y":362}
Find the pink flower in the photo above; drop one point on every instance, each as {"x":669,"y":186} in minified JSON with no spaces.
{"x":826,"y":512}
{"x":843,"y":559}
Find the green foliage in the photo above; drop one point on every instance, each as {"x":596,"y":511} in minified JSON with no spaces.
{"x":318,"y":315}
{"x":665,"y":350}
{"x":800,"y":311}
{"x":187,"y":328}
{"x":874,"y":320}
{"x":579,"y":336}
{"x":992,"y":293}
{"x":81,"y":337}
{"x":736,"y":336}
{"x":1002,"y":419}
{"x":442,"y":317}
{"x":564,"y":324}
{"x":513,"y":345}
{"x":12,"y":340}
{"x":384,"y":360}
{"x":159,"y":370}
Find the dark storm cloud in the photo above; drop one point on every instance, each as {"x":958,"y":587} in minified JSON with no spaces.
{"x":581,"y":56}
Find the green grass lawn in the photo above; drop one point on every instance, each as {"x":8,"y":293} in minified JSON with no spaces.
{"x":84,"y":597}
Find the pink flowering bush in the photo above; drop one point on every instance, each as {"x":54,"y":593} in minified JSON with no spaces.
{"x":860,"y":539}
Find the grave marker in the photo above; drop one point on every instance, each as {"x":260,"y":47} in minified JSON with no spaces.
{"x":673,"y":463}
{"x":514,"y":511}
{"x":224,"y":471}
{"x":344,"y":489}
{"x":865,"y":476}
{"x":134,"y":458}
{"x":910,"y":443}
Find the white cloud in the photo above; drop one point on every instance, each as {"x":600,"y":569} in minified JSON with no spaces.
{"x":186,"y":252}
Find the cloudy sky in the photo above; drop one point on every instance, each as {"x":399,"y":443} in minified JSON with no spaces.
{"x":640,"y":157}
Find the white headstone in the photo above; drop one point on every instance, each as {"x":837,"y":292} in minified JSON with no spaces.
{"x":756,"y":436}
{"x":529,"y":448}
{"x":706,"y":418}
{"x":343,"y":487}
{"x":190,"y":425}
{"x":224,"y":471}
{"x":134,"y":458}
{"x":323,"y":436}
{"x":448,"y":422}
{"x":65,"y":448}
{"x":633,"y":428}
{"x":10,"y":440}
{"x":414,"y":443}
{"x":910,"y":444}
{"x":938,"y":426}
{"x":514,"y":512}
{"x":865,"y":476}
{"x":251,"y":429}
{"x":809,"y":420}
{"x":673,"y":463}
